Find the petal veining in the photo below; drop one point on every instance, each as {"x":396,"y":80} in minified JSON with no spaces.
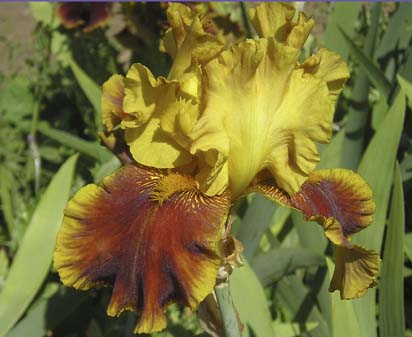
{"x":151,"y":236}
{"x":341,"y":202}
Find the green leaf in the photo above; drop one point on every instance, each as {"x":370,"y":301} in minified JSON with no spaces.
{"x":406,"y":167}
{"x":406,"y":87}
{"x":278,"y":262}
{"x":376,"y":76}
{"x":257,"y":219}
{"x":91,"y":149}
{"x":358,"y":113}
{"x":406,"y":68}
{"x":90,"y":89}
{"x":397,"y":30}
{"x":106,"y":169}
{"x":330,"y":153}
{"x":4,"y":266}
{"x":250,"y":301}
{"x":32,"y":262}
{"x":344,"y":321}
{"x":94,"y":329}
{"x":383,"y":147}
{"x":380,"y":108}
{"x":343,"y":17}
{"x":5,"y":198}
{"x":16,"y":99}
{"x":292,"y":329}
{"x":55,"y":308}
{"x":391,"y":308}
{"x":42,"y":11}
{"x":408,"y":246}
{"x":300,"y":303}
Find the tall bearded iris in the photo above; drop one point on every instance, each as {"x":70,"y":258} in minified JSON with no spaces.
{"x":222,"y":124}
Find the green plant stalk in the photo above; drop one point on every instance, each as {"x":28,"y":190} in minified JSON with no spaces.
{"x":358,"y":113}
{"x":33,"y":144}
{"x":39,"y":94}
{"x":6,"y":202}
{"x":245,"y":20}
{"x":227,"y":310}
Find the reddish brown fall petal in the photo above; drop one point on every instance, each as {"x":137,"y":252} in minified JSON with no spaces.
{"x":341,"y":202}
{"x":153,"y":237}
{"x":88,"y":15}
{"x":339,"y":199}
{"x":70,"y":14}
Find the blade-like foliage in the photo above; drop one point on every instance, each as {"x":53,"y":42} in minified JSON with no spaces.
{"x":391,"y":309}
{"x":32,"y":262}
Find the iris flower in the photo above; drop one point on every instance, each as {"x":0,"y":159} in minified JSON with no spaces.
{"x":87,"y":15}
{"x":222,"y":124}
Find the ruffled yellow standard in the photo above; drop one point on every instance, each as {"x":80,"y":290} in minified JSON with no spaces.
{"x":220,"y":125}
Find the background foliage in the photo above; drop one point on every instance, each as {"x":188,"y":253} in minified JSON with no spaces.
{"x":49,"y":117}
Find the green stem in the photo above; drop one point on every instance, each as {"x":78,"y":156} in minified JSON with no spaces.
{"x":227,"y":310}
{"x":34,"y":149}
{"x":245,"y":20}
{"x":358,"y":114}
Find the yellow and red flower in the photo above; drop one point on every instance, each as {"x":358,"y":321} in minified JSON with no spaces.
{"x":223,"y":123}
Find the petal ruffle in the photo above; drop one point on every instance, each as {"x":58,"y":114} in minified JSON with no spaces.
{"x":259,"y":103}
{"x":276,"y":20}
{"x":153,"y":237}
{"x":337,"y":195}
{"x":186,"y":41}
{"x":341,"y":202}
{"x":142,"y":93}
{"x":355,"y":271}
{"x":147,"y":100}
{"x":330,"y":68}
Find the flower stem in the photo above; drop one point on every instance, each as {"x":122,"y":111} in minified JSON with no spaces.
{"x":227,"y":310}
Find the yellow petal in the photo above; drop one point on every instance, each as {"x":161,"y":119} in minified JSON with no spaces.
{"x":144,"y":95}
{"x":274,"y":19}
{"x":112,"y":101}
{"x":186,"y":41}
{"x":330,"y":68}
{"x":356,"y":270}
{"x":151,"y":146}
{"x":179,"y":120}
{"x":149,"y":100}
{"x":270,"y":113}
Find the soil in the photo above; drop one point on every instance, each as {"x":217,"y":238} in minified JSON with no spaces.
{"x":16,"y":27}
